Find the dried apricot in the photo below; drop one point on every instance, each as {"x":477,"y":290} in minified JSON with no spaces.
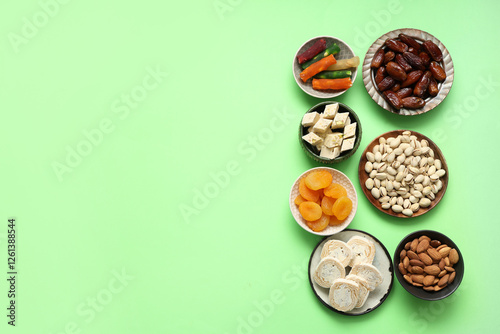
{"x":307,"y":193}
{"x":299,"y":199}
{"x":320,"y":224}
{"x":335,"y":221}
{"x":342,"y":207}
{"x":310,"y":211}
{"x":318,"y":179}
{"x":327,"y":204}
{"x":335,"y":190}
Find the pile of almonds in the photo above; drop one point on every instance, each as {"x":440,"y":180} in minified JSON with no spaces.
{"x":428,"y":263}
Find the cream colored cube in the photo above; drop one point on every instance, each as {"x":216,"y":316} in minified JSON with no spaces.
{"x":310,"y":119}
{"x":350,"y":130}
{"x":322,"y":125}
{"x":313,"y":139}
{"x":331,"y":110}
{"x":329,"y":153}
{"x":333,"y":140}
{"x":348,"y":144}
{"x":340,"y":120}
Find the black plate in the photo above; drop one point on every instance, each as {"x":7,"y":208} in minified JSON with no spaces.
{"x":382,"y":261}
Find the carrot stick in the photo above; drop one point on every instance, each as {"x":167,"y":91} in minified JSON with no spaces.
{"x":336,"y":84}
{"x":317,"y":67}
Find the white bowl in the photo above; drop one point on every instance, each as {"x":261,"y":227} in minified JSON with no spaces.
{"x":345,"y":53}
{"x":338,"y":177}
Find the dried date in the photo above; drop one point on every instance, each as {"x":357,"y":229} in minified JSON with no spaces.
{"x":413,"y":102}
{"x":433,"y":50}
{"x":437,"y":71}
{"x":378,"y":58}
{"x":395,"y":71}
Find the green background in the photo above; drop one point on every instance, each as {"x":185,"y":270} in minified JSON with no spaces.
{"x":103,"y":244}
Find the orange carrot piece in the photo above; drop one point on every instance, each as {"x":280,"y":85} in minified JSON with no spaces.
{"x":317,"y":67}
{"x":335,"y":84}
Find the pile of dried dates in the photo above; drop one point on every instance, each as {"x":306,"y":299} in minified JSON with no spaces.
{"x":407,"y":72}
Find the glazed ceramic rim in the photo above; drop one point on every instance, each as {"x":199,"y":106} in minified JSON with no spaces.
{"x":391,"y":269}
{"x":307,"y":87}
{"x":432,"y":102}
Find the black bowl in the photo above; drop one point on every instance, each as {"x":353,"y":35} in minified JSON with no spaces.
{"x":418,"y":291}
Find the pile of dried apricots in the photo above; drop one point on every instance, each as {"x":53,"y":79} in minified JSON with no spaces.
{"x":322,"y":202}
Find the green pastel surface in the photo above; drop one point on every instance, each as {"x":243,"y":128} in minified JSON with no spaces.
{"x":149,"y":148}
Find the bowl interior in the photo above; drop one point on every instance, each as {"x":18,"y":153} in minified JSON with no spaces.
{"x":417,"y":291}
{"x":338,"y":177}
{"x":312,"y":152}
{"x":345,"y":53}
{"x":420,"y":36}
{"x":363,"y":176}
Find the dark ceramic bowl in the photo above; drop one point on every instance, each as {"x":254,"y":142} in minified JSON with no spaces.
{"x":419,"y":292}
{"x":312,"y":152}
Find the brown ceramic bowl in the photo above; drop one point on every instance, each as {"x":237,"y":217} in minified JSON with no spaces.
{"x":363,"y":176}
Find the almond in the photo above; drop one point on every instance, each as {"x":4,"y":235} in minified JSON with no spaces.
{"x":447,"y":261}
{"x":442,"y":265}
{"x":444,"y":251}
{"x":424,"y":237}
{"x":453,"y":256}
{"x":422,"y":246}
{"x":437,"y":287}
{"x":428,"y":280}
{"x":407,"y":245}
{"x":417,"y":278}
{"x":436,"y":280}
{"x":417,"y":284}
{"x":417,"y":270}
{"x":450,"y":269}
{"x":426,"y":259}
{"x":442,"y":273}
{"x":406,"y":262}
{"x":417,"y":263}
{"x":441,"y":247}
{"x":414,"y":245}
{"x":432,"y":270}
{"x":408,"y":279}
{"x":444,"y":280}
{"x":429,"y":288}
{"x":402,"y":269}
{"x":412,"y":255}
{"x":451,"y":278}
{"x":434,"y":254}
{"x":402,"y":254}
